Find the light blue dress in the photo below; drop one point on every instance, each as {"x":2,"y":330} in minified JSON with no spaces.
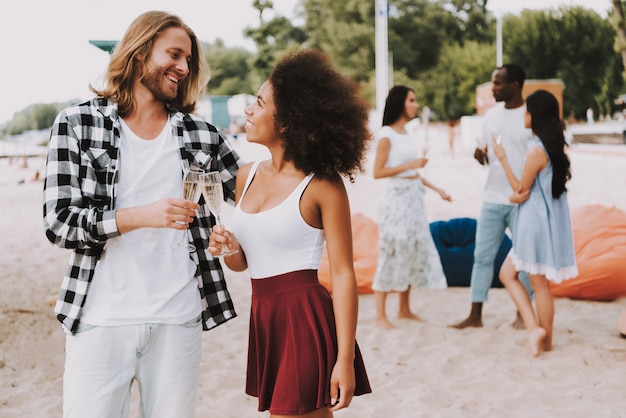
{"x":543,"y":242}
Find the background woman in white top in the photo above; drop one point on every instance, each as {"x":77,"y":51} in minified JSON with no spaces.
{"x":407,"y":254}
{"x":302,"y":356}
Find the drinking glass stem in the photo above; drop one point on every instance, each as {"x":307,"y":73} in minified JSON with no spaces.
{"x":218,"y":222}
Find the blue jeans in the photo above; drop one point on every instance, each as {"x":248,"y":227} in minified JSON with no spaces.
{"x":102,"y":363}
{"x":492,"y":224}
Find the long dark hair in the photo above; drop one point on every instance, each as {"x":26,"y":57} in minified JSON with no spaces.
{"x":546,"y":124}
{"x":394,"y":104}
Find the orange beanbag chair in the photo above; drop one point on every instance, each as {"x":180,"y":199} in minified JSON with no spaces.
{"x":600,"y":246}
{"x":365,"y":254}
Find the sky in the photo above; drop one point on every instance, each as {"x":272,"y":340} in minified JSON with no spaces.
{"x":47,"y":57}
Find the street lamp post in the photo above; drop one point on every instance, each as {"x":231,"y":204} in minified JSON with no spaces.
{"x":498,"y":39}
{"x":382,"y":56}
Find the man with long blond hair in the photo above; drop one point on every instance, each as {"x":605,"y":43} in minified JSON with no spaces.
{"x":132,"y":304}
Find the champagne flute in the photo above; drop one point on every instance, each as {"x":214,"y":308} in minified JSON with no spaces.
{"x":191,"y":191}
{"x":497,"y":138}
{"x":424,"y":148}
{"x":213,"y":193}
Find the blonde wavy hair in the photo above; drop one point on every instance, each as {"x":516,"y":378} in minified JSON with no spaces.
{"x":137,"y":42}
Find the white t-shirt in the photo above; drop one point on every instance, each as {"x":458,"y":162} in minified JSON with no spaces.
{"x":403,"y":148}
{"x":139,"y":277}
{"x":509,"y":123}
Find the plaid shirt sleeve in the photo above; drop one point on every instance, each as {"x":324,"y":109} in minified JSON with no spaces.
{"x":207,"y":148}
{"x":77,"y":184}
{"x":77,"y":199}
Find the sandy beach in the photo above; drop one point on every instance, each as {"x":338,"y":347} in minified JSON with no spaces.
{"x":420,"y":369}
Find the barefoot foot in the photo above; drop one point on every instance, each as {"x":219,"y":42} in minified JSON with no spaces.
{"x":384,"y":323}
{"x":518,"y":323}
{"x":547,"y":344}
{"x":409,"y":315}
{"x":536,"y":339}
{"x":469,"y":322}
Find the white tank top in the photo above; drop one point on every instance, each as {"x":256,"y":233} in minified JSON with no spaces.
{"x":403,"y":148}
{"x":278,"y":240}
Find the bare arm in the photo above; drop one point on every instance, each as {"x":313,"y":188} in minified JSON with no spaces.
{"x":536,"y":160}
{"x":219,"y":235}
{"x":382,"y":155}
{"x":334,"y":210}
{"x":440,"y":191}
{"x":165,"y":213}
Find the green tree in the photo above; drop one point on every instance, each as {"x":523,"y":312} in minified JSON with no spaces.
{"x":450,"y":87}
{"x":620,"y":27}
{"x":261,"y":5}
{"x":34,"y":117}
{"x":533,"y":41}
{"x":473,"y":20}
{"x":229,"y":69}
{"x":573,"y":44}
{"x":441,"y":48}
{"x":418,"y":30}
{"x":345,"y":31}
{"x":273,"y":39}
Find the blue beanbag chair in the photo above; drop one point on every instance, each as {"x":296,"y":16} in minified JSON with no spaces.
{"x":455,"y":242}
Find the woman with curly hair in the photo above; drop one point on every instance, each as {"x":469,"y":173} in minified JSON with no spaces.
{"x":543,"y":244}
{"x":407,"y":256}
{"x":302,"y":356}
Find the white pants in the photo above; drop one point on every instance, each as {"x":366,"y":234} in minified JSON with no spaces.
{"x":102,"y":362}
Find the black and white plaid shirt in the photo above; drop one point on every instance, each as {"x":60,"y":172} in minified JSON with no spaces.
{"x":79,"y":200}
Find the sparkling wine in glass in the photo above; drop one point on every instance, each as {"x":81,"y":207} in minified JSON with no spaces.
{"x":191,"y":191}
{"x":214,"y":196}
{"x":423,"y":153}
{"x":424,"y":149}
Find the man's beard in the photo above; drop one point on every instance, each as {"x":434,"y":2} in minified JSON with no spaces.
{"x":153,"y":81}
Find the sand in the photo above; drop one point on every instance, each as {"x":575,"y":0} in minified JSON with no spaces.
{"x":417,"y":370}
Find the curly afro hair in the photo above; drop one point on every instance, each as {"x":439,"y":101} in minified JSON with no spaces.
{"x":321,"y":115}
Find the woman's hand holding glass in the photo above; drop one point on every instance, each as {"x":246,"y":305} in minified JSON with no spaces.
{"x":222,"y":241}
{"x":498,"y":149}
{"x":417,"y":163}
{"x":213,"y":193}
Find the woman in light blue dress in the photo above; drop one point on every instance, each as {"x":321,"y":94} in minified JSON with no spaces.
{"x":543,"y":244}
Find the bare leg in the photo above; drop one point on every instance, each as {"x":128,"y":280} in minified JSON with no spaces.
{"x":545,"y":307}
{"x":404,"y":306}
{"x":381,"y":312}
{"x":621,"y":324}
{"x":474,"y":319}
{"x":537,"y":338}
{"x":518,"y":322}
{"x":536,"y":334}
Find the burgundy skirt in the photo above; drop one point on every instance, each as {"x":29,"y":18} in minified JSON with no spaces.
{"x":293,"y":345}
